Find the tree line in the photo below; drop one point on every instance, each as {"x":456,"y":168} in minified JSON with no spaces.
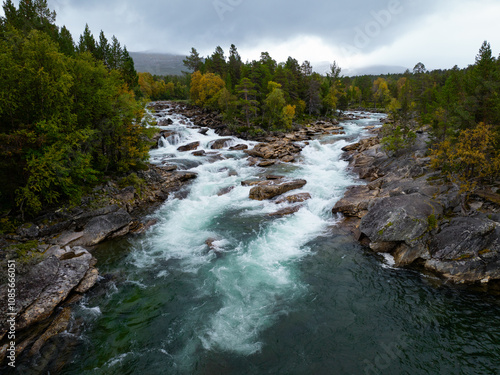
{"x":459,"y":107}
{"x":69,"y":116}
{"x":260,"y":95}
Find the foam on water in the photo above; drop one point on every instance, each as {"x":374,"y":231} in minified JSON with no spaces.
{"x":249,"y":272}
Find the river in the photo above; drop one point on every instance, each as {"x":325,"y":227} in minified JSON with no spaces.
{"x":274,"y":295}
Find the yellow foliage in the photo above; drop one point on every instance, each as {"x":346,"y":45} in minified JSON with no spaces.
{"x":205,"y":87}
{"x":149,"y":87}
{"x":288,"y":115}
{"x":471,"y":159}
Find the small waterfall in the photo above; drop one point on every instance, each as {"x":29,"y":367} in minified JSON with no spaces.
{"x":162,"y":142}
{"x":174,"y":139}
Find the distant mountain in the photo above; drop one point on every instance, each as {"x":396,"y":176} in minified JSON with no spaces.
{"x":324,"y":67}
{"x":158,"y":63}
{"x":170,"y":64}
{"x":375,"y":70}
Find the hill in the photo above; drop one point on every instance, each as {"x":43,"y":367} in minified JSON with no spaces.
{"x":158,"y":63}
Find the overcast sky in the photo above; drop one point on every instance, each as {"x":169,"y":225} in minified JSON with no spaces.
{"x":355,"y":33}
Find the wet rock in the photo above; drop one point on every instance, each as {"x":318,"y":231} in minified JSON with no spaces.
{"x":225,"y":190}
{"x":268,"y":191}
{"x":221,"y":143}
{"x":168,"y":167}
{"x":199,"y":153}
{"x":239,"y":147}
{"x":203,"y":131}
{"x":189,"y":147}
{"x":104,"y":227}
{"x":295,"y":198}
{"x":286,"y":211}
{"x":403,"y":218}
{"x":47,"y":284}
{"x":266,"y":163}
{"x":276,"y":149}
{"x":165,"y":122}
{"x":58,"y":326}
{"x":355,"y":201}
{"x":143,"y":227}
{"x":254,"y":182}
{"x":274,"y":177}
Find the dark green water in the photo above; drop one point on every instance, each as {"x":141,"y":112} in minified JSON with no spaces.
{"x":278,"y":295}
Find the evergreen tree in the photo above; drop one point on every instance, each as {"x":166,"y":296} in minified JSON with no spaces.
{"x":87,"y":42}
{"x":218,"y":61}
{"x":193,"y":62}
{"x":234,"y":65}
{"x":246,"y":91}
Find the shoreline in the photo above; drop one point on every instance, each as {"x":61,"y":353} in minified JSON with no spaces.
{"x":54,"y":258}
{"x":405,"y":209}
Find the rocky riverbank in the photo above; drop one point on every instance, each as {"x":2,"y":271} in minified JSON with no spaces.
{"x":409,"y":211}
{"x":54,"y":267}
{"x":53,"y":253}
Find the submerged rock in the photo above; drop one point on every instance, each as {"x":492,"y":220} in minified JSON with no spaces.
{"x":295,"y":198}
{"x":286,"y":211}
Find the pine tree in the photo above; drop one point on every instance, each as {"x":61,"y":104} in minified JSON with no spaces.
{"x":193,"y":61}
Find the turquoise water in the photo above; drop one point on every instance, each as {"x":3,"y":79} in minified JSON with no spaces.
{"x":287,"y":295}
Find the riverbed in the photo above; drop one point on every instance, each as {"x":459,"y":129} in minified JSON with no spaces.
{"x":220,"y":286}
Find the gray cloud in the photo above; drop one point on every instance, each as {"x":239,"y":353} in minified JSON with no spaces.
{"x":365,"y":26}
{"x":178,"y":24}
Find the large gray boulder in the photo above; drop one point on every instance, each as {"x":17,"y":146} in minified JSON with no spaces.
{"x":467,"y":249}
{"x":48,"y":283}
{"x":402,"y":218}
{"x":355,"y":201}
{"x":270,"y":190}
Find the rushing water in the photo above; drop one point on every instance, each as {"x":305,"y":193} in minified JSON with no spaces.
{"x":286,"y":295}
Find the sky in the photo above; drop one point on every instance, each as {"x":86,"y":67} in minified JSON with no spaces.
{"x":354,"y":33}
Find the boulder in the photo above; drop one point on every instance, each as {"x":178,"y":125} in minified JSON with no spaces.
{"x":221,"y":143}
{"x":239,"y":147}
{"x":355,"y":201}
{"x":402,"y":218}
{"x":47,"y":284}
{"x":225,"y":190}
{"x":286,"y":211}
{"x":103,"y":227}
{"x":189,"y":147}
{"x":295,"y":198}
{"x":466,"y":238}
{"x":288,"y":158}
{"x":165,"y":122}
{"x":268,"y":191}
{"x":467,"y":249}
{"x":266,"y":163}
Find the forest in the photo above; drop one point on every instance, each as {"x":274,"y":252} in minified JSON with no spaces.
{"x":69,"y":116}
{"x":460,"y":108}
{"x":72,"y":114}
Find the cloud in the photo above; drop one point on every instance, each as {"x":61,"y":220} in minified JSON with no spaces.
{"x":180,"y":24}
{"x":355,"y":32}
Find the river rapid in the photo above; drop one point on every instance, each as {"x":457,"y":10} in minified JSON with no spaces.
{"x":271,"y":295}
